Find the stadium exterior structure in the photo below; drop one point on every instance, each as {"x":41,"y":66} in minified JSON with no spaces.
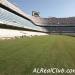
{"x":12,"y":16}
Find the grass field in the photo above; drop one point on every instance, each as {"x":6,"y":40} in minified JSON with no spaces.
{"x":21,"y":56}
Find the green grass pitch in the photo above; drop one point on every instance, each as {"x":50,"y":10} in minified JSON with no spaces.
{"x":21,"y":56}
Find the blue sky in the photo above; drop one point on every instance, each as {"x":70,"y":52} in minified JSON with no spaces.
{"x":47,"y":8}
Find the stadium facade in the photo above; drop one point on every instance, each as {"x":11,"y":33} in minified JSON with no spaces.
{"x":10,"y":15}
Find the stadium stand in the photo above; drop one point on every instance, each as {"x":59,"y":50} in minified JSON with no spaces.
{"x":10,"y":15}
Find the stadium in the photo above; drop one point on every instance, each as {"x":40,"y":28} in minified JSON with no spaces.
{"x":33,"y":54}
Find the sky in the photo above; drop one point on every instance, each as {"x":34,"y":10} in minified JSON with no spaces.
{"x":47,"y":8}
